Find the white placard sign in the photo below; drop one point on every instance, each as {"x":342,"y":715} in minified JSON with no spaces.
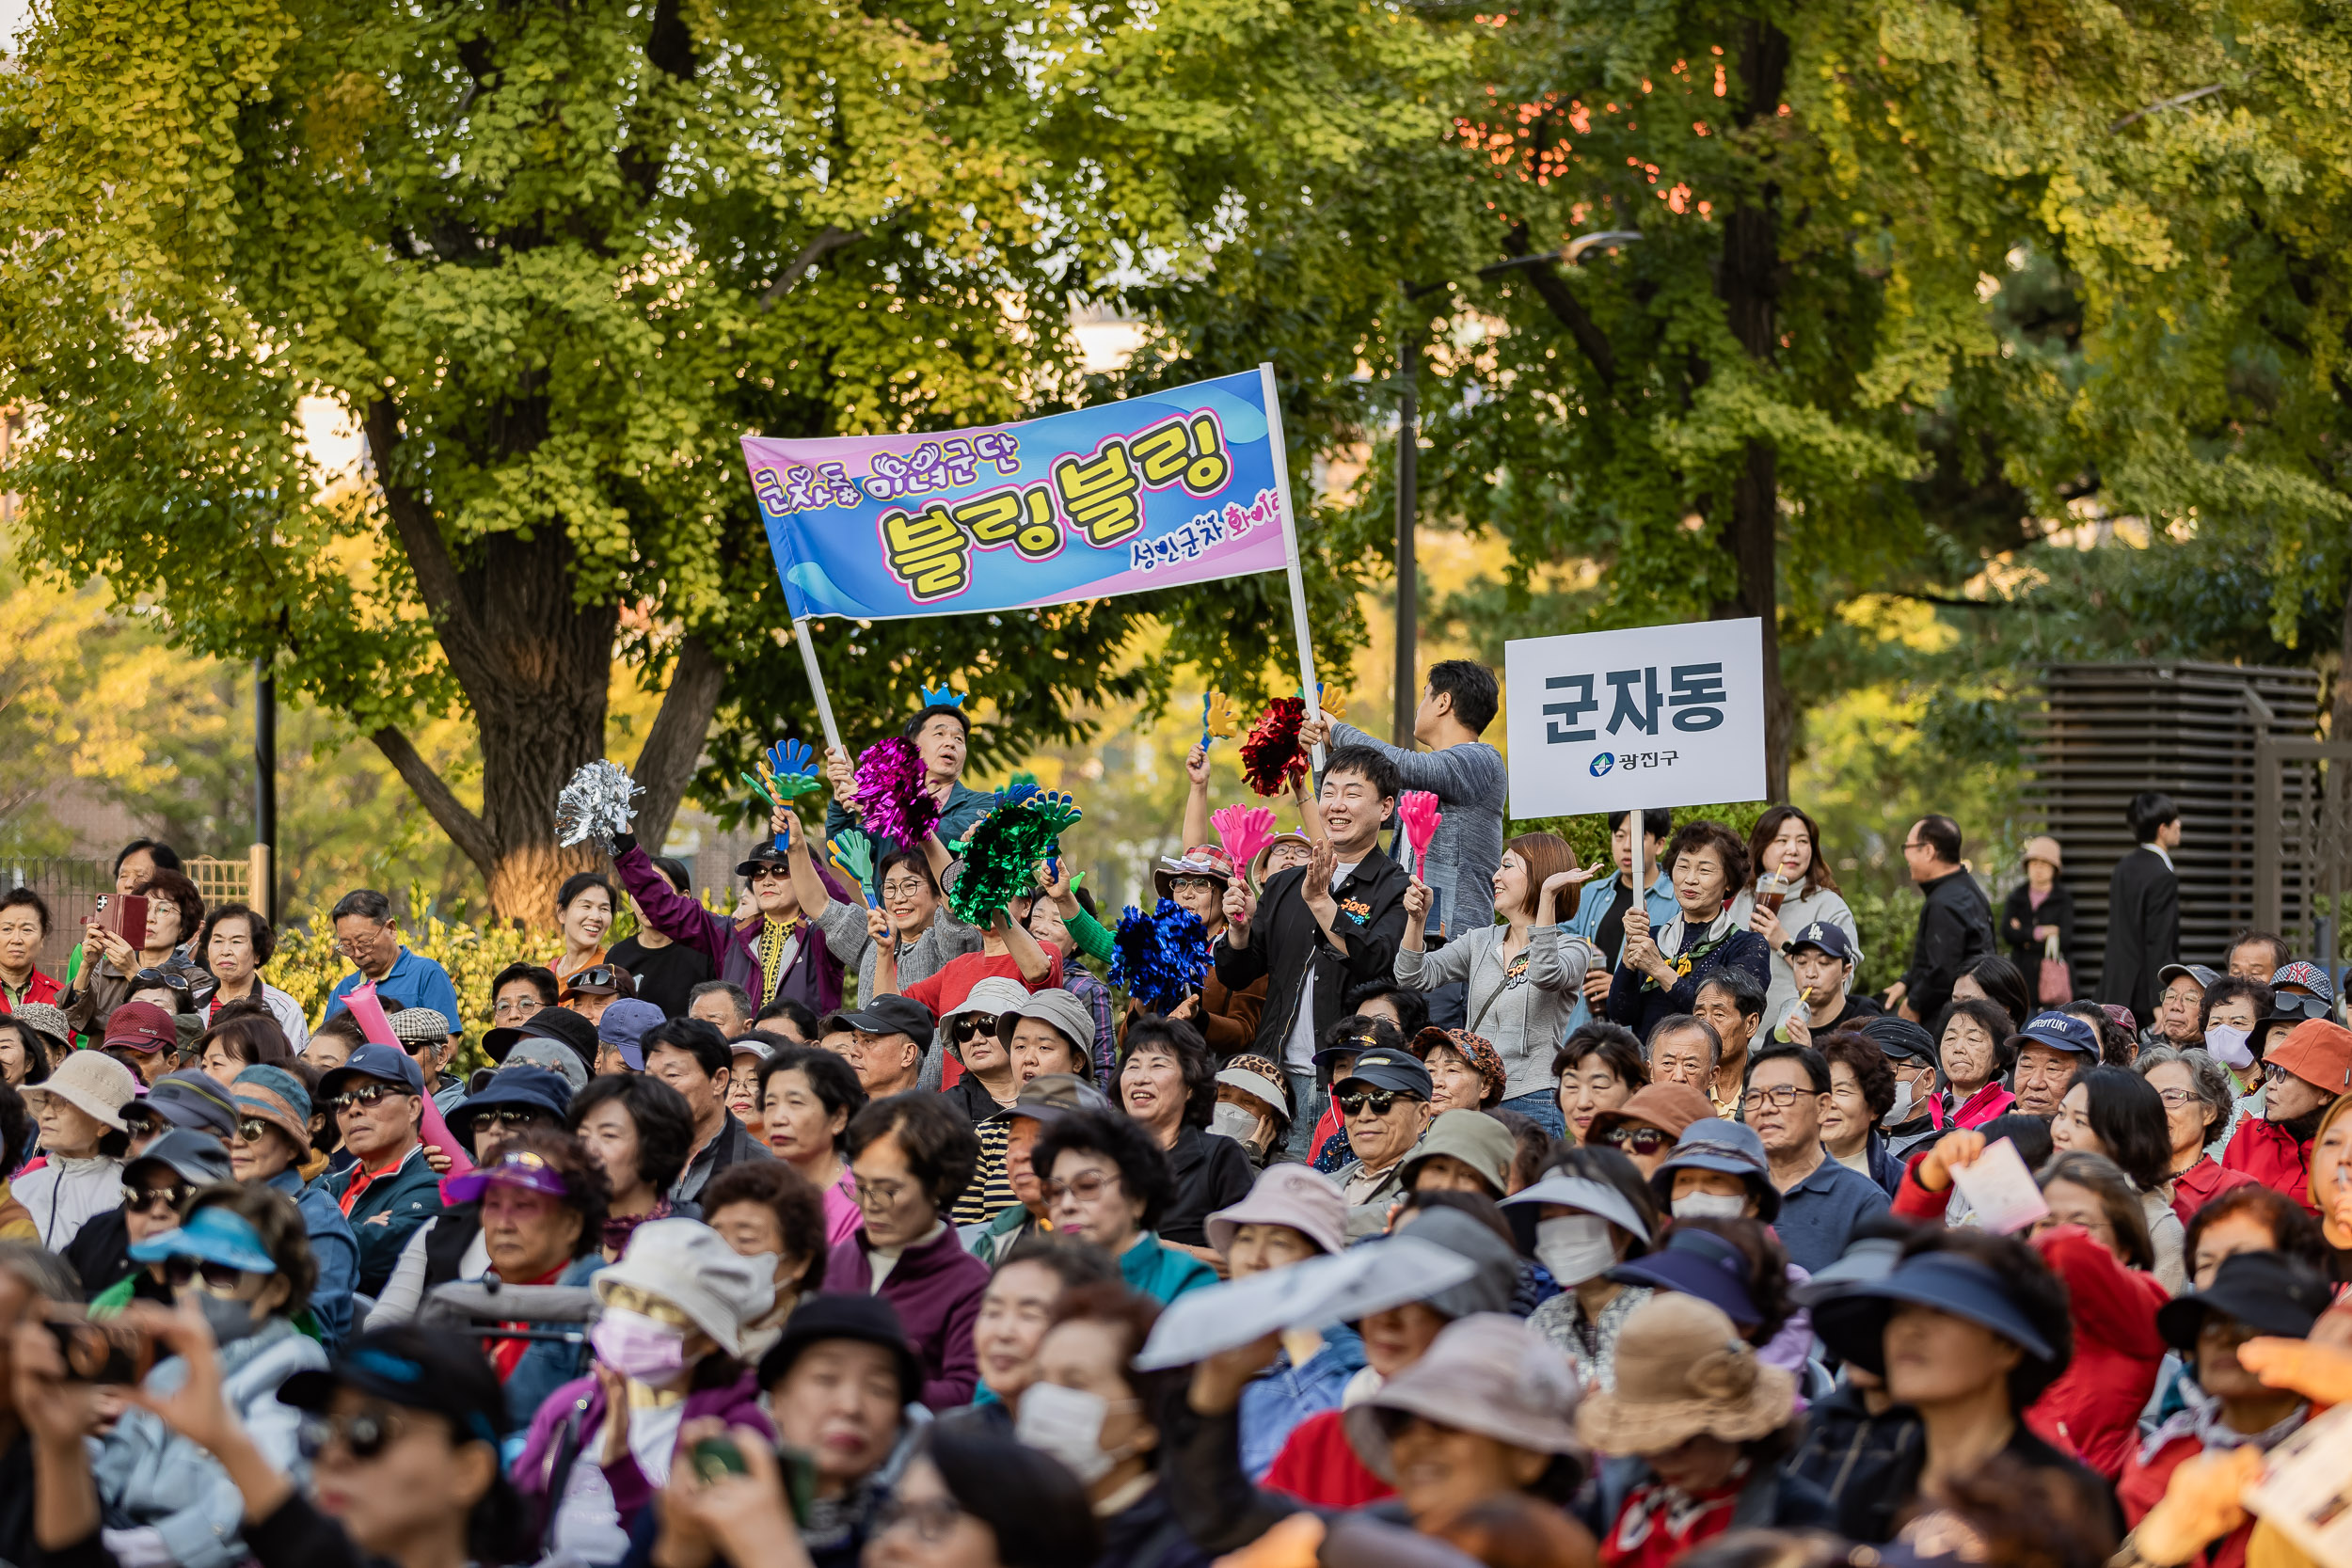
{"x":1621,"y":720}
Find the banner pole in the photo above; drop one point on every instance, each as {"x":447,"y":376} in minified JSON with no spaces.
{"x":816,"y":685}
{"x":1281,"y":451}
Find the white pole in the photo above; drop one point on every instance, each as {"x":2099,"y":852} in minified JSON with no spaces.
{"x":816,"y":685}
{"x":1634,"y":836}
{"x":1281,"y":451}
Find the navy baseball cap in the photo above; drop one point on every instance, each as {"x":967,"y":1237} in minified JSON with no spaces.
{"x":194,"y":1100}
{"x":520,"y":1084}
{"x":1901,"y":1038}
{"x":2059,"y":1032}
{"x":623,"y":1028}
{"x":1828,"y":938}
{"x":1697,"y":1263}
{"x":1386,"y":1067}
{"x":388,"y":1061}
{"x":1852,"y":1320}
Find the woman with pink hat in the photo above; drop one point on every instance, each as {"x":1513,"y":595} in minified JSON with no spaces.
{"x":2038,"y":918}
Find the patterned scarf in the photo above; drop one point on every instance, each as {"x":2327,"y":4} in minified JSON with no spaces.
{"x":774,"y":937}
{"x":618,"y":1229}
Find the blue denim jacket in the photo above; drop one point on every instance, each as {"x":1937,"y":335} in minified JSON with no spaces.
{"x":1586,"y":920}
{"x":334,"y":1247}
{"x":1277,"y":1399}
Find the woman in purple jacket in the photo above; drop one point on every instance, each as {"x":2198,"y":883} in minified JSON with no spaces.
{"x":668,"y":1345}
{"x":782,"y":954}
{"x":913,"y":1154}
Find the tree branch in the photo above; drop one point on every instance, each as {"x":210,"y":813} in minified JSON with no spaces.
{"x":1554,"y":291}
{"x":675,"y":741}
{"x":824,"y":245}
{"x":437,"y":579}
{"x":465,"y":830}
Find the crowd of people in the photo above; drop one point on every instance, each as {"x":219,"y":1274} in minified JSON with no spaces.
{"x":1489,"y":1209}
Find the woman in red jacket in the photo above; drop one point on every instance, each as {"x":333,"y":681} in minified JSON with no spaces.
{"x":2302,"y":1075}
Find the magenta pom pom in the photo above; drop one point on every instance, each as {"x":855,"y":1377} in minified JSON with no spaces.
{"x":1244,"y":831}
{"x":891,"y":799}
{"x":1416,"y":813}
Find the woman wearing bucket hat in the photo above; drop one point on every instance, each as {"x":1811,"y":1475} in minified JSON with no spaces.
{"x":82,"y":1132}
{"x":1292,"y":1215}
{"x":241,"y":1260}
{"x":669,"y":1347}
{"x":1590,"y":1212}
{"x":1696,"y":1429}
{"x":1968,"y":1329}
{"x":2039,"y":916}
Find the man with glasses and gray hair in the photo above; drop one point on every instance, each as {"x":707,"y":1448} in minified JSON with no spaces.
{"x":367,"y":933}
{"x":1821,"y":1200}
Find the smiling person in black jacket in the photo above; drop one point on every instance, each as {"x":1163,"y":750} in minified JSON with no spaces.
{"x":1321,"y":928}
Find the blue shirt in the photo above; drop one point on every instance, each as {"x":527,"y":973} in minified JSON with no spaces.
{"x":335,"y":1249}
{"x":1818,"y":1214}
{"x":1277,"y":1400}
{"x":413,"y":981}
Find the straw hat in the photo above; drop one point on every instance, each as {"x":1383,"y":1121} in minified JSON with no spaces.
{"x":92,"y":1082}
{"x":1682,"y":1369}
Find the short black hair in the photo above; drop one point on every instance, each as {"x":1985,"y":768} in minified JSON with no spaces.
{"x":675,"y":872}
{"x":2030,"y":1134}
{"x":2000,"y":978}
{"x":35,"y":1048}
{"x":665,"y":1128}
{"x":264,"y":939}
{"x":2280,"y":954}
{"x":1816,"y":1067}
{"x":1707,"y":833}
{"x":1989,"y":1017}
{"x":1941,"y":835}
{"x":2293,"y":1231}
{"x":1036,"y":1509}
{"x":1373,"y":766}
{"x":2117,"y":1044}
{"x":783,"y":1191}
{"x":1614,"y":1043}
{"x":365,"y":902}
{"x":1657,"y":822}
{"x":1182,"y":1041}
{"x":697,"y":1038}
{"x":27,"y":898}
{"x":832,"y":1079}
{"x":914,"y":860}
{"x":736,"y":994}
{"x":1412,"y":1007}
{"x":542,"y":981}
{"x":16,"y":1122}
{"x":942,"y":1149}
{"x":2226,"y":988}
{"x":1142,"y":1164}
{"x":1476,"y":695}
{"x":797,"y":1014}
{"x":2150,"y":810}
{"x":1737,"y":984}
{"x":580,"y":882}
{"x":1674,"y":1022}
{"x":1073,"y":1262}
{"x":953,"y":710}
{"x":2127,"y":1116}
{"x":164,"y":855}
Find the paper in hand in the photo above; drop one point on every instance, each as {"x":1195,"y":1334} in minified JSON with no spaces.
{"x":1313,"y":1294}
{"x":2000,"y":1190}
{"x":2305,"y":1489}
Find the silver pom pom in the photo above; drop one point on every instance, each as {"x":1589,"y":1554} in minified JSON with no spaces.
{"x":597,"y":803}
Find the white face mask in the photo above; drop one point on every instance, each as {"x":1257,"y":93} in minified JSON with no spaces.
{"x":1068,"y":1424}
{"x":1238,"y":1122}
{"x":2229,"y":1046}
{"x":1710,"y":1205}
{"x":1900,"y":1112}
{"x":1574,"y":1247}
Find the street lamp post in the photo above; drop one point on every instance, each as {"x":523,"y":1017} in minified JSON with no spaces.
{"x":1408,"y":463}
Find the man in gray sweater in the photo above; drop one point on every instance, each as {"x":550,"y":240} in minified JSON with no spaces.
{"x":1472,"y":786}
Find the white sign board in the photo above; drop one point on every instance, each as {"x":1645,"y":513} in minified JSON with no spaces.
{"x":1621,"y":720}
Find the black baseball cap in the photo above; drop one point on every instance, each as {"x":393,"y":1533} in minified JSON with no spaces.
{"x":765,"y":856}
{"x":436,"y":1370}
{"x":868,"y":1320}
{"x":894,"y":1015}
{"x":2267,"y":1292}
{"x":1900,"y":1037}
{"x":520,"y":1084}
{"x":548,"y":1023}
{"x":1387,"y":1068}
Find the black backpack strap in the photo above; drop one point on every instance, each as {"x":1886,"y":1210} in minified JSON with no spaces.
{"x":561,"y":1455}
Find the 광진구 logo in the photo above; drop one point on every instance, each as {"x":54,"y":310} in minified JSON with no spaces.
{"x":1602,"y":762}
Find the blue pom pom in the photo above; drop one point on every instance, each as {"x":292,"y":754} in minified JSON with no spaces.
{"x":1159,"y":958}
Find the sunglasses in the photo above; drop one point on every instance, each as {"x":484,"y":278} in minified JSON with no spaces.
{"x":1379,"y":1101}
{"x":969,"y":1024}
{"x":601,"y":975}
{"x":252,"y":1129}
{"x":144,"y":1199}
{"x":359,"y":1098}
{"x":219,"y":1278}
{"x":364,"y":1436}
{"x":508,"y":1116}
{"x":1637,"y":1140}
{"x":146,"y":978}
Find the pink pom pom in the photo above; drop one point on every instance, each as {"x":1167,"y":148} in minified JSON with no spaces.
{"x":1244,"y":831}
{"x":891,"y":799}
{"x":1417,"y":813}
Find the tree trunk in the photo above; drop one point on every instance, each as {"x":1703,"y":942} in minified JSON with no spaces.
{"x":675,"y":743}
{"x":1748,"y":283}
{"x":2341,"y":729}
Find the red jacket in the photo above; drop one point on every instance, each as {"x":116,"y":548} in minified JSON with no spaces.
{"x":1318,"y":1467}
{"x":2093,"y":1408}
{"x":2274,"y":1156}
{"x":40,"y":988}
{"x":2201,"y":1183}
{"x":2141,"y":1487}
{"x":1914,"y":1202}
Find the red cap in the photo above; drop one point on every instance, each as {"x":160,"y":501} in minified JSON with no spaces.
{"x":142,"y":1026}
{"x":2317,"y":1051}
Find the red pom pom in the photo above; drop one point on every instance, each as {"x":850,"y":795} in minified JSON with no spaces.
{"x":1270,"y":753}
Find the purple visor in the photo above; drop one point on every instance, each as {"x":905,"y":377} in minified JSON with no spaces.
{"x":519,"y":1168}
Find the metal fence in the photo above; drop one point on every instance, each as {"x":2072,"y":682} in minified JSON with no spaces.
{"x":70,"y":888}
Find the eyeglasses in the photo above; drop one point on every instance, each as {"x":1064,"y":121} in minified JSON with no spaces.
{"x":2274,"y":1073}
{"x":1379,"y":1101}
{"x":366,"y":1095}
{"x":1195,"y":884}
{"x":969,"y":1024}
{"x":516,"y":1007}
{"x":2174,"y":1099}
{"x":1085,"y":1188}
{"x":146,"y":1199}
{"x":880,"y":1195}
{"x":222,"y":1279}
{"x":364,"y":1436}
{"x":1637,"y":1140}
{"x":1783,"y":1097}
{"x":930,"y":1519}
{"x":904,"y":887}
{"x":509,"y":1116}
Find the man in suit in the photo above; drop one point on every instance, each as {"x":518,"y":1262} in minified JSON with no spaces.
{"x":2144,"y":908}
{"x":1321,"y":928}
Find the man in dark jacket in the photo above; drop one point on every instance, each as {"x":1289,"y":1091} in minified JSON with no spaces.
{"x":1955,"y":923}
{"x":377,"y":1101}
{"x":694,"y":1058}
{"x":2144,"y":909}
{"x":1321,"y":928}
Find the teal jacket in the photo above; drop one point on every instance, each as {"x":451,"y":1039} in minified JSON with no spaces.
{"x":1163,"y":1272}
{"x":386,"y":1215}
